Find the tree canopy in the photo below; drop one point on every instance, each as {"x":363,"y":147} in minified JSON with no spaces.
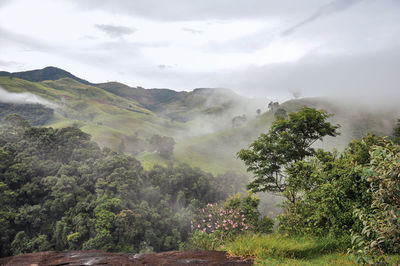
{"x":288,"y":140}
{"x":59,"y":191}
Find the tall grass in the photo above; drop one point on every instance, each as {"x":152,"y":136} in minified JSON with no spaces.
{"x":275,"y":249}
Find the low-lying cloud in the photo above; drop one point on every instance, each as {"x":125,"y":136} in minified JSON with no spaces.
{"x":23,"y":98}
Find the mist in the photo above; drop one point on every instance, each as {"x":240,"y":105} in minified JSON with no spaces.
{"x":23,"y":98}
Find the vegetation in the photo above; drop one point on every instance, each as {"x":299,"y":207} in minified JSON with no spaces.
{"x":60,"y":191}
{"x":216,"y":224}
{"x":276,"y":249}
{"x":329,"y":194}
{"x":36,"y":114}
{"x":287,"y":142}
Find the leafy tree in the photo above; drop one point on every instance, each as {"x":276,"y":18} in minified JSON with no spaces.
{"x":163,"y":145}
{"x":288,"y":141}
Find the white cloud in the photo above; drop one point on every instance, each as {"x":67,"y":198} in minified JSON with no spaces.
{"x":23,"y":98}
{"x":207,"y":43}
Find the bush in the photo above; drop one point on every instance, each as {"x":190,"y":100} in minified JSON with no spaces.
{"x":381,"y":227}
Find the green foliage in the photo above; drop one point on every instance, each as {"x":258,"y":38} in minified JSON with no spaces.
{"x":275,"y":249}
{"x":329,"y":186}
{"x":396,"y":133}
{"x":380,"y":234}
{"x":60,"y":191}
{"x":163,"y":145}
{"x":205,"y":241}
{"x":216,"y":224}
{"x":288,"y":141}
{"x":249,"y":205}
{"x":35,"y":114}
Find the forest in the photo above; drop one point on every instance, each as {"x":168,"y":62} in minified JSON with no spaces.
{"x":61,"y":191}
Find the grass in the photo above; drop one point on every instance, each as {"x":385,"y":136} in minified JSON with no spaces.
{"x":275,"y":249}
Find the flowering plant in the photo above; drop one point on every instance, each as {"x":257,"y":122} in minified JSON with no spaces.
{"x":219,"y":223}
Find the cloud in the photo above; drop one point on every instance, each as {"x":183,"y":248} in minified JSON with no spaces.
{"x":23,"y":98}
{"x":164,"y":66}
{"x":372,"y":78}
{"x":13,"y":38}
{"x":7,"y":63}
{"x":115,"y":31}
{"x":331,"y":8}
{"x":193,"y":31}
{"x":4,"y":2}
{"x":183,"y":10}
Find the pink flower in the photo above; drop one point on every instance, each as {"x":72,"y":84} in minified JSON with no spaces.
{"x":198,"y":226}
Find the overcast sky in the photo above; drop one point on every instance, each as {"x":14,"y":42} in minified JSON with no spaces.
{"x":258,"y":48}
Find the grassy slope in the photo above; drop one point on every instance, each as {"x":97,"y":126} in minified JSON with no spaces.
{"x":216,"y":152}
{"x":107,"y":117}
{"x":110,"y":119}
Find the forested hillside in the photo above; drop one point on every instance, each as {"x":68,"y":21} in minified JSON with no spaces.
{"x":59,"y":190}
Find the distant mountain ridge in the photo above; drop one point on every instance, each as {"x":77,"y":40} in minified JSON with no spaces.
{"x":181,"y":106}
{"x":201,"y":121}
{"x":125,"y":118}
{"x":47,"y":73}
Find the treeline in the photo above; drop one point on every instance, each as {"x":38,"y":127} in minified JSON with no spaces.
{"x":60,"y":191}
{"x":36,"y":114}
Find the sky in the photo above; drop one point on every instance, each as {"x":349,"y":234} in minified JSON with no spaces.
{"x":264,"y":49}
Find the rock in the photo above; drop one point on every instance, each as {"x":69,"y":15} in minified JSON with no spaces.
{"x":98,"y":257}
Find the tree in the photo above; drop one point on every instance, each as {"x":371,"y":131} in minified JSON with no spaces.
{"x":280,"y":112}
{"x":289,"y":140}
{"x":163,"y":145}
{"x":396,"y":133}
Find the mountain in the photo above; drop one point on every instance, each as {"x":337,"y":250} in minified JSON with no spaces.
{"x":181,"y":106}
{"x":47,"y":73}
{"x":201,"y":121}
{"x":125,"y":118}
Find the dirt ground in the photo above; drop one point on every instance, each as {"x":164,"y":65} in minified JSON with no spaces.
{"x":98,"y":257}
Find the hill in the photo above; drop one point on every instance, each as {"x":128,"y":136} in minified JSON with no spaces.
{"x":202,"y":122}
{"x":47,"y":73}
{"x":125,"y":118}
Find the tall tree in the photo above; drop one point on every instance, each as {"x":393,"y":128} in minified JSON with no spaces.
{"x":289,"y":140}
